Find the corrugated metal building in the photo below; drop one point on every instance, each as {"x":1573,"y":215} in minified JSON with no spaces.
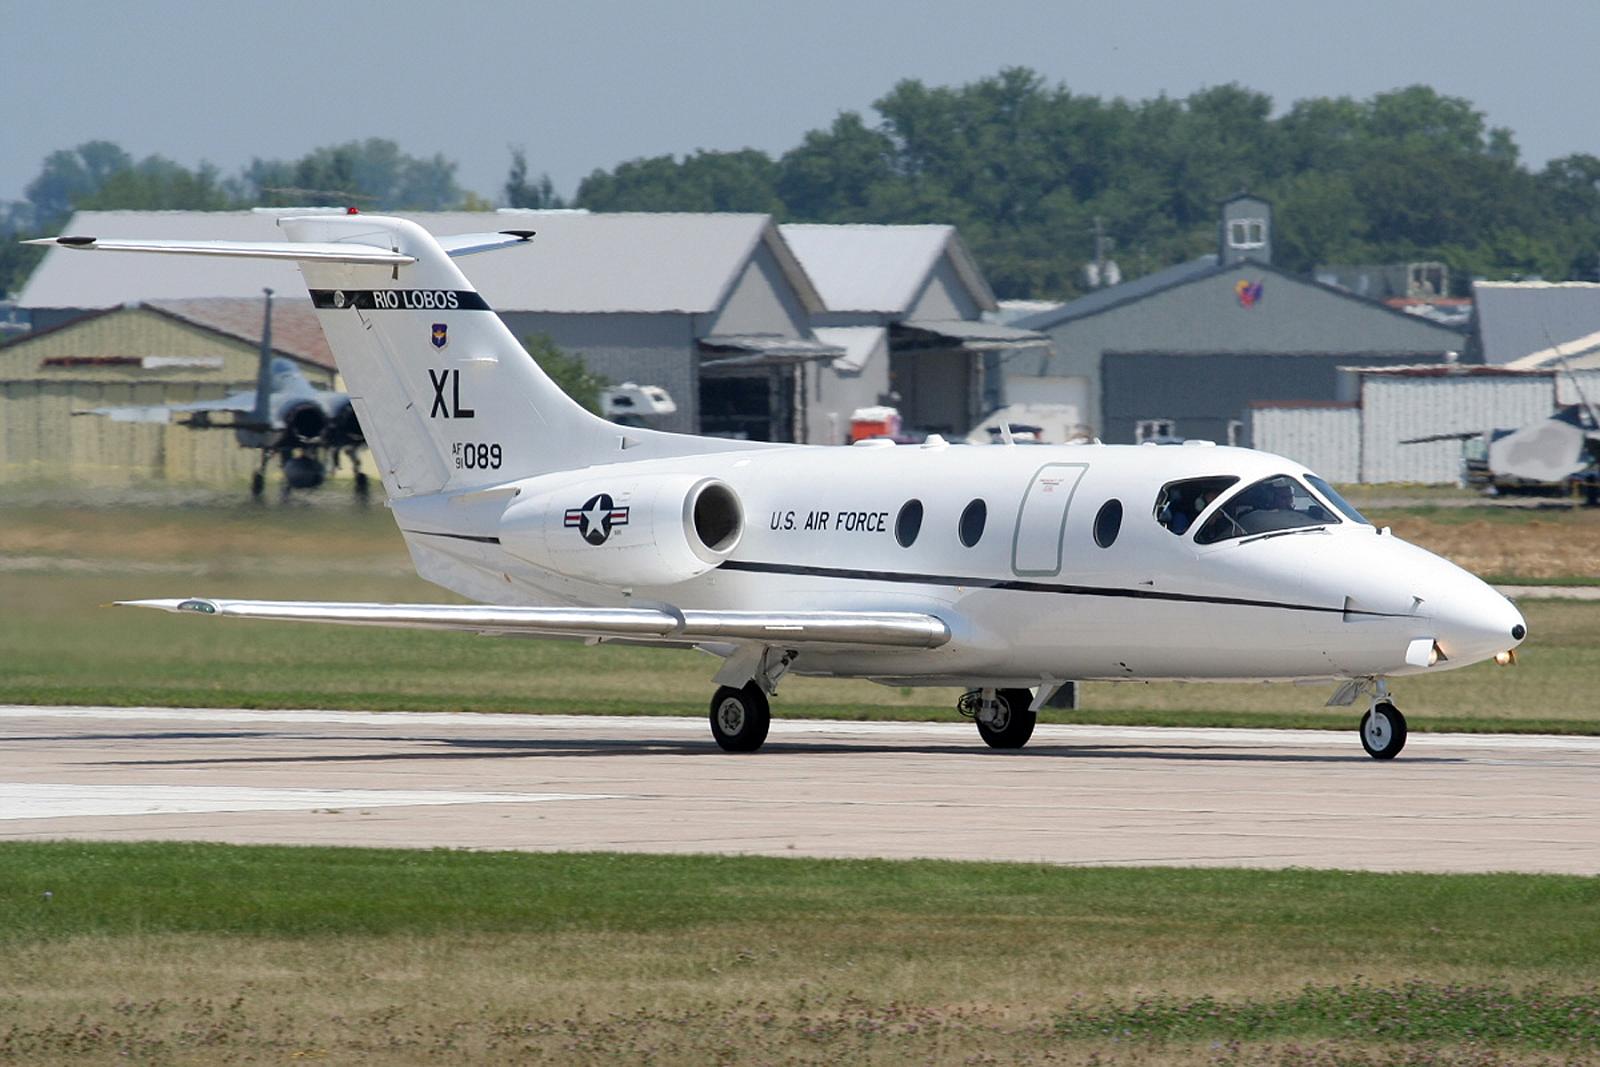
{"x":1323,"y":435}
{"x":162,"y":352}
{"x":907,"y":304}
{"x":1186,"y":351}
{"x":1398,"y":404}
{"x":1361,"y":441}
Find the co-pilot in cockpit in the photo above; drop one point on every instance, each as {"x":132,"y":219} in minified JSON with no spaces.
{"x":1270,"y":505}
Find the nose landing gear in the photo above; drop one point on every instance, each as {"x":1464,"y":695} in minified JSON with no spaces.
{"x":1383,"y":730}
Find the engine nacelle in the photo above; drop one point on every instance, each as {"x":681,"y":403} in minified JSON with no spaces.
{"x":644,"y":530}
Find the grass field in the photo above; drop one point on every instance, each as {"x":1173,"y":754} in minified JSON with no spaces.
{"x":198,"y":954}
{"x":60,"y":564}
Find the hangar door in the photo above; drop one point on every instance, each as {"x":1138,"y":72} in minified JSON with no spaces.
{"x":1042,"y":519}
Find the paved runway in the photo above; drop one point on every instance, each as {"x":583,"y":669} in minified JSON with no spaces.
{"x":1075,"y":795}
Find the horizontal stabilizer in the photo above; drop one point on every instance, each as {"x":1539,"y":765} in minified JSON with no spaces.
{"x":889,"y":629}
{"x":327,"y":252}
{"x":455,"y":246}
{"x":466,"y":244}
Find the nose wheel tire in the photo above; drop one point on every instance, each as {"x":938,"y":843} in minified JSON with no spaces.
{"x":1009,"y":724}
{"x":740,"y":718}
{"x":1383,"y":731}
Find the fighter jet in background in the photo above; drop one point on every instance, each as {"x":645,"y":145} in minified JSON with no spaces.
{"x":1559,"y":453}
{"x":306,"y":428}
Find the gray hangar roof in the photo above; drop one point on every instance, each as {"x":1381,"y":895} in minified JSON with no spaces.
{"x":1519,"y":318}
{"x":882,"y":269}
{"x":578,"y":263}
{"x":1111,"y":296}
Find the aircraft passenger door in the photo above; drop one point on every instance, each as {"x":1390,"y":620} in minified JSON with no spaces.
{"x":1042,"y":519}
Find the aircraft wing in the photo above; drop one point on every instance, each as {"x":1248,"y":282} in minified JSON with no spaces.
{"x":884,"y":629}
{"x":233,"y":405}
{"x":1460,"y":435}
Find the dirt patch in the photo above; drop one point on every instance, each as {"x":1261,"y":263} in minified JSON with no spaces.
{"x":1535,"y":548}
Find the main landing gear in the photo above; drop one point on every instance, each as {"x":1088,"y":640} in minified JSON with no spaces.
{"x":740,"y":717}
{"x":1003,"y":716}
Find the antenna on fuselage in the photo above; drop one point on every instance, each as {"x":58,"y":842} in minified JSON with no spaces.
{"x":1005,"y":433}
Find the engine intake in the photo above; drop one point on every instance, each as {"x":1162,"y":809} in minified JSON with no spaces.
{"x":645,"y":530}
{"x":304,"y":421}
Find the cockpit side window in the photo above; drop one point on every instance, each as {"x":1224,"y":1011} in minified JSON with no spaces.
{"x":1181,"y":503}
{"x":1267,"y":506}
{"x":1332,"y":496}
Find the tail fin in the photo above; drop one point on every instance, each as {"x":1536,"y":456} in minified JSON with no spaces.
{"x":447,"y":396}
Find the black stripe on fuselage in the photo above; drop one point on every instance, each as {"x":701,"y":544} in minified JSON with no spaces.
{"x":400,"y":299}
{"x":455,"y":536}
{"x":1015,"y":585}
{"x":1021,"y":586}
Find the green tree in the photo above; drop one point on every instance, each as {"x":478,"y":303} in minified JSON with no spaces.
{"x":831,"y":176}
{"x":569,"y":372}
{"x":705,"y":181}
{"x":373,"y":173}
{"x":540,"y":195}
{"x":69,"y":176}
{"x":158,"y":184}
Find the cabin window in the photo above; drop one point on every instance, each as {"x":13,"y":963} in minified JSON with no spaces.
{"x":972,"y":522}
{"x":1181,"y":503}
{"x":1108,"y":523}
{"x":908,"y":523}
{"x":1268,"y":506}
{"x":1332,"y":496}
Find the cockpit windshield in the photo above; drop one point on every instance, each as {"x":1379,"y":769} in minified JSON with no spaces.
{"x":1181,"y":503}
{"x":1268,"y":506}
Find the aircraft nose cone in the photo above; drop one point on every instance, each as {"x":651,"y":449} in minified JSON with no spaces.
{"x":1478,"y":623}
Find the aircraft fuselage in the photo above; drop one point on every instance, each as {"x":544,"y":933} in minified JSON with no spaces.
{"x":1046,"y":588}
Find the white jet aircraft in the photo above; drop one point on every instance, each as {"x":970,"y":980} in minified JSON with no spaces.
{"x":1006,"y":570}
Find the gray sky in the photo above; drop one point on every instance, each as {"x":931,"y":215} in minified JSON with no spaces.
{"x":587,"y":86}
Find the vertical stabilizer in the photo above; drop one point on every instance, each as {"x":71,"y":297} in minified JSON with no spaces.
{"x":447,"y":397}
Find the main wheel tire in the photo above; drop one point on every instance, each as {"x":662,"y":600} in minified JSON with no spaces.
{"x":1383,"y":731}
{"x":1014,"y":724}
{"x":258,"y":485}
{"x":740,"y":718}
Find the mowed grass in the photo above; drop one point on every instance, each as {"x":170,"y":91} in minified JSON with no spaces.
{"x":204,"y":953}
{"x":60,"y":565}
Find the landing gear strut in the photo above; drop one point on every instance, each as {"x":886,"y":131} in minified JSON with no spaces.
{"x":1002,"y":715}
